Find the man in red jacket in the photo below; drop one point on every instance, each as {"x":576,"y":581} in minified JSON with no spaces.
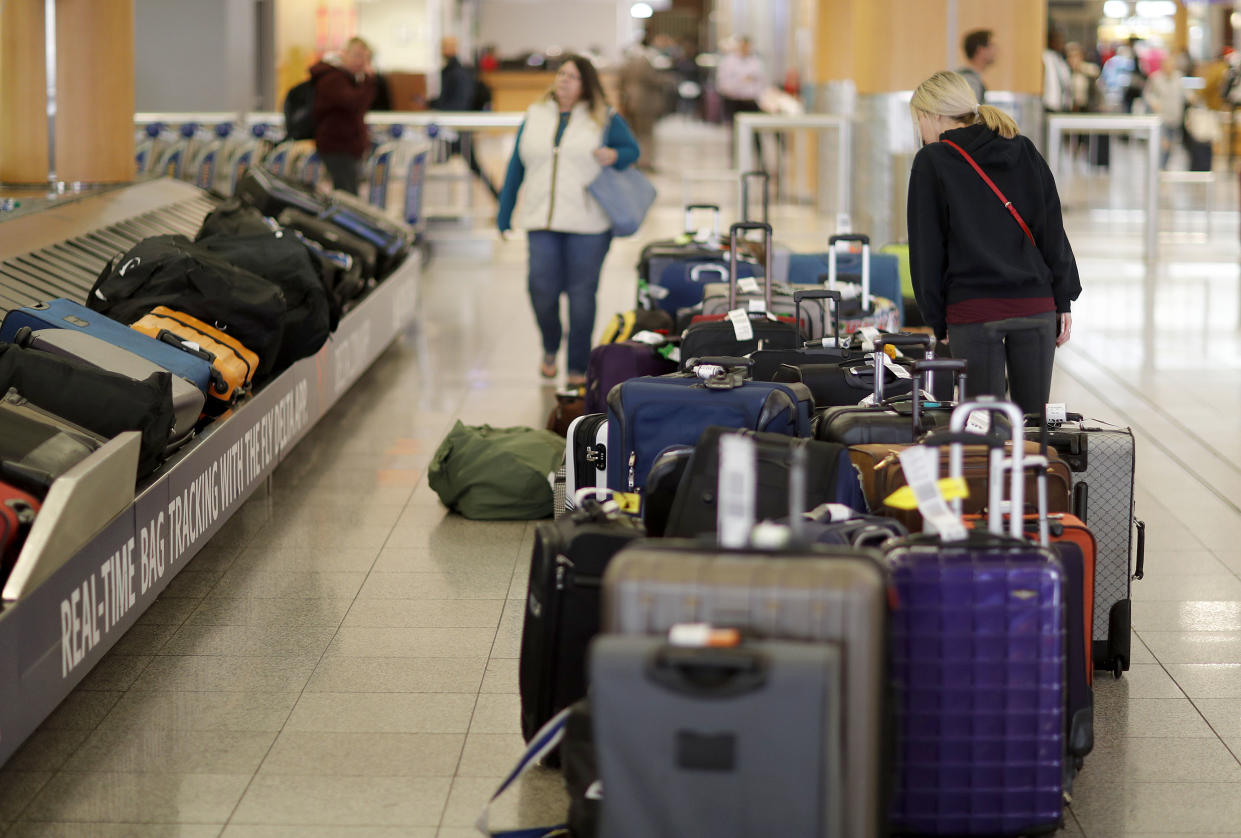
{"x":344,"y":91}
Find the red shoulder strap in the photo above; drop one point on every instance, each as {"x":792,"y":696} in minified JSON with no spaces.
{"x":1008,"y":205}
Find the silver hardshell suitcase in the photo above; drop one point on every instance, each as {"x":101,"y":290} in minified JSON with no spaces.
{"x":830,"y":595}
{"x":739,"y":742}
{"x":1101,"y":463}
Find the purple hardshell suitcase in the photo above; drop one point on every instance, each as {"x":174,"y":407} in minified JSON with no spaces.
{"x":613,"y":363}
{"x":979,"y":668}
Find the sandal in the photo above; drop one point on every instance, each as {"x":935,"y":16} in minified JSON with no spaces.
{"x":575,"y":379}
{"x":547,"y":367}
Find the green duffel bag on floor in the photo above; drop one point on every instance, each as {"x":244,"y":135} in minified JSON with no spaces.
{"x":494,"y":474}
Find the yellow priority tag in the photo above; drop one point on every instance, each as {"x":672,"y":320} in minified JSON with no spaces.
{"x":629,"y":502}
{"x":950,"y":487}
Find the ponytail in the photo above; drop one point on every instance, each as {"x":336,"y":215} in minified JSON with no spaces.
{"x":998,"y":121}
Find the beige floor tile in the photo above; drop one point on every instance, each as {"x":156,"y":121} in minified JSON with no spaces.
{"x":144,"y":639}
{"x":237,"y":830}
{"x":1187,"y":616}
{"x":501,"y":676}
{"x":1125,"y":808}
{"x":490,"y":754}
{"x":508,"y":636}
{"x":326,"y":538}
{"x":170,"y":751}
{"x":1151,"y":760}
{"x":17,"y":789}
{"x":1224,"y":716}
{"x":138,"y":798}
{"x":193,"y":583}
{"x":464,"y":583}
{"x":1149,"y":718}
{"x":38,"y":829}
{"x":412,"y":642}
{"x":1141,"y":681}
{"x":395,"y":558}
{"x":538,"y":799}
{"x":497,"y":713}
{"x":382,"y":712}
{"x":250,"y":641}
{"x":1203,"y":588}
{"x":1194,"y":646}
{"x":1163,"y":563}
{"x":200,"y":710}
{"x":331,"y":801}
{"x":1211,"y":680}
{"x":424,"y":613}
{"x":297,"y":558}
{"x":81,"y":710}
{"x":211,"y":673}
{"x":365,"y":754}
{"x":116,"y":672}
{"x":168,"y":610}
{"x":253,"y":611}
{"x":397,"y":675}
{"x":248,"y":582}
{"x":44,"y":750}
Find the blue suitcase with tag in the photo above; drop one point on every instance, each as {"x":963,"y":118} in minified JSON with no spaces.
{"x":66,"y":314}
{"x":885,"y":275}
{"x":650,"y":414}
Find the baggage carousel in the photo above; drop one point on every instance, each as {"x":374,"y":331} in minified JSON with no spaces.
{"x":101,"y":550}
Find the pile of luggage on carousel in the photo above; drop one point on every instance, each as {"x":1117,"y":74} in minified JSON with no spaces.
{"x":800,"y":584}
{"x":176,"y":333}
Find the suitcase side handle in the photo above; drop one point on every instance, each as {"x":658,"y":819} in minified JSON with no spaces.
{"x":173,"y":339}
{"x":708,"y":672}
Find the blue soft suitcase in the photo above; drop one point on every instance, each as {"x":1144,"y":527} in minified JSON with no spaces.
{"x":66,"y":314}
{"x":885,"y":277}
{"x":681,"y":283}
{"x":649,"y":414}
{"x":979,"y":656}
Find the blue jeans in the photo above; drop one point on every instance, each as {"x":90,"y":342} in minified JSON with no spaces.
{"x":566,"y":263}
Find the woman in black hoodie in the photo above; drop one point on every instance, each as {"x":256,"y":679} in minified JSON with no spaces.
{"x":987,"y":243}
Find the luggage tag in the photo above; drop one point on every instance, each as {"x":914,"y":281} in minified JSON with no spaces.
{"x":749,"y":285}
{"x":657,"y":292}
{"x":979,"y":422}
{"x":921,"y":466}
{"x":736,"y":490}
{"x":703,"y":635}
{"x":1057,"y":413}
{"x":649,"y":338}
{"x":742,"y":329}
{"x":670,"y":352}
{"x":831,"y":513}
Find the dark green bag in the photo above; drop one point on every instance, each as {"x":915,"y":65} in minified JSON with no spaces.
{"x":493,"y":474}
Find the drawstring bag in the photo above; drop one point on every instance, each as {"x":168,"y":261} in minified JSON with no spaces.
{"x":497,"y":474}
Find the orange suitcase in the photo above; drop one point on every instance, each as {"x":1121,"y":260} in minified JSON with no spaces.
{"x":233,"y":364}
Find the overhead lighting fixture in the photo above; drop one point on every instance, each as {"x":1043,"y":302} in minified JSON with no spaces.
{"x":641,"y":11}
{"x":1156,"y":8}
{"x":1118,"y":9}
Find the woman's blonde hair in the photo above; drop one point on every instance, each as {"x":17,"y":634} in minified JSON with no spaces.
{"x":949,"y":94}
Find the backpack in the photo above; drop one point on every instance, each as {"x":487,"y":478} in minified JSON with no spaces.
{"x":299,"y":111}
{"x":480,"y":98}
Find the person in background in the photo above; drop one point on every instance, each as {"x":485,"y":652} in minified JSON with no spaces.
{"x":459,"y":91}
{"x":568,"y":135}
{"x":344,"y":91}
{"x":1057,"y":78}
{"x":1164,"y":95}
{"x":740,"y":79}
{"x":975,"y":264}
{"x":979,"y":55}
{"x":488,"y":61}
{"x":641,"y":91}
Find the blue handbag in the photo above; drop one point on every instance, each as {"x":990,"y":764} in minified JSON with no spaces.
{"x":625,"y":195}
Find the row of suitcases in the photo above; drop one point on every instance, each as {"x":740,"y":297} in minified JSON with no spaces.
{"x":175,"y":333}
{"x":853,"y":668}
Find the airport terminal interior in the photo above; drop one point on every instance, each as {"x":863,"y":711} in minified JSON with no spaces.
{"x":340,"y":659}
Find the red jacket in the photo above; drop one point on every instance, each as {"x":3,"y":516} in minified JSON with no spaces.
{"x":341,"y":103}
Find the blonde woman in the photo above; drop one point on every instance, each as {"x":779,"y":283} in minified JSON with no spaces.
{"x":561,"y":146}
{"x":987,"y":242}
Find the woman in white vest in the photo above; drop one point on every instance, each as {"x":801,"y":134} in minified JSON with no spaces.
{"x":566,"y":138}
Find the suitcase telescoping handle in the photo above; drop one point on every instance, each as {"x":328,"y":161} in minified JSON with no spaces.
{"x":881,"y":356}
{"x":746,"y":177}
{"x":956,"y":441}
{"x":708,"y":672}
{"x":1017,"y":485}
{"x":734,"y":251}
{"x":864,"y":240}
{"x":930,"y":366}
{"x":820,"y":294}
{"x":714,"y":209}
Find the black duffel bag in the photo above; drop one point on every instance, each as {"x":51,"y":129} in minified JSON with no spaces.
{"x":172,"y":271}
{"x":281,"y":257}
{"x":103,"y":402}
{"x":234,"y":218}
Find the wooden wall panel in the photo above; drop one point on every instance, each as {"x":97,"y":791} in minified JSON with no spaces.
{"x":95,"y":90}
{"x":1020,"y":37}
{"x":23,"y":95}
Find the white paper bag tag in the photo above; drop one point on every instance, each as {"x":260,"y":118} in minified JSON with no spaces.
{"x":741,"y":324}
{"x":657,"y":292}
{"x":674,"y":355}
{"x":896,"y":369}
{"x":921,"y":466}
{"x":649,"y":338}
{"x":979,"y":422}
{"x":748,"y":285}
{"x":832,"y":512}
{"x":1056,"y":412}
{"x":757,"y":306}
{"x":736,"y":490}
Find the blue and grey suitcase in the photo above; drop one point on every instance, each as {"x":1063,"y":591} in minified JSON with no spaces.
{"x":648,"y":415}
{"x":979,"y":665}
{"x":66,"y":314}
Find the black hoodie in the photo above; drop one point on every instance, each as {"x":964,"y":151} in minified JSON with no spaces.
{"x":963,"y":243}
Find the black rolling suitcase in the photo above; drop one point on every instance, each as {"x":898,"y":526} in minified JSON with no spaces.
{"x":562,"y":606}
{"x":332,"y":237}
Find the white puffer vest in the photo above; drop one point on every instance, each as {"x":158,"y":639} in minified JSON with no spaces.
{"x":553,"y":192}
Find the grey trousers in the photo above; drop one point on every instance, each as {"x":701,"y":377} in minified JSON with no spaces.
{"x":1002,"y":358}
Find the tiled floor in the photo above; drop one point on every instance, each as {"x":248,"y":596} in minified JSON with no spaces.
{"x":341,"y":660}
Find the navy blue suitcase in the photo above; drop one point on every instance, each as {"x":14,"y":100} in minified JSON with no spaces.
{"x":979,"y":665}
{"x":649,"y":414}
{"x":66,"y":314}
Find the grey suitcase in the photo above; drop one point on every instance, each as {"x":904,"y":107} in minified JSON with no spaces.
{"x":741,"y":742}
{"x":833,"y":595}
{"x":1101,"y":463}
{"x":187,"y":399}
